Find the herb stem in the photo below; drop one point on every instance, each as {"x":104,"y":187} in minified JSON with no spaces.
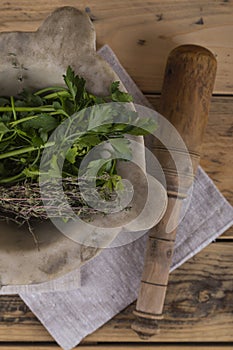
{"x":12,"y":179}
{"x":13,"y":108}
{"x":27,"y":109}
{"x":23,"y":120}
{"x":9,"y":137}
{"x":25,"y":150}
{"x":51,"y":88}
{"x":37,"y":157}
{"x":59,"y":112}
{"x":57,"y":94}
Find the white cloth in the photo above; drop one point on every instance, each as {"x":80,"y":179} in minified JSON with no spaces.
{"x":111,"y":280}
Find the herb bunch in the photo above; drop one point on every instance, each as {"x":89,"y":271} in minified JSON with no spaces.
{"x":26,"y":123}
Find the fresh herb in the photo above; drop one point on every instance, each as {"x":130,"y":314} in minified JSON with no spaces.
{"x":26,"y":123}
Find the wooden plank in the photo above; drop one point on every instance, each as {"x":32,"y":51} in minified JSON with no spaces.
{"x":227,"y":235}
{"x":198,"y":307}
{"x":217,"y":156}
{"x":143,"y":33}
{"x":120,"y":347}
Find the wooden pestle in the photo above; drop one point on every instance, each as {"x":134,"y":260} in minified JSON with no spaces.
{"x":185,"y":99}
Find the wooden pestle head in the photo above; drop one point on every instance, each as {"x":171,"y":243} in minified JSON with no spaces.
{"x":187,"y":88}
{"x":185,"y":99}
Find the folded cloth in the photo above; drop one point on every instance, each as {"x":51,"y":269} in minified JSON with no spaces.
{"x":68,"y":282}
{"x":110,"y":281}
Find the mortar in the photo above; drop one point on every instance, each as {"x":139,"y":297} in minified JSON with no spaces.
{"x":36,"y":60}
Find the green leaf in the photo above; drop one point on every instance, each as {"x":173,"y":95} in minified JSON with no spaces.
{"x":100,"y":118}
{"x":75,"y":84}
{"x":44,"y":136}
{"x":3,"y":129}
{"x":30,"y":99}
{"x":80,"y":84}
{"x":115,"y":86}
{"x":57,"y":105}
{"x":68,"y":107}
{"x":107,"y":167}
{"x":5,"y":117}
{"x":89,"y":140}
{"x":119,"y":96}
{"x":122,"y":148}
{"x":94,"y":166}
{"x":43,"y":122}
{"x":121,"y":128}
{"x":37,"y":141}
{"x":71,"y":154}
{"x":144,"y":126}
{"x":117,"y":182}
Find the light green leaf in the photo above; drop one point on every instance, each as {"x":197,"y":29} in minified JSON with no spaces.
{"x":89,"y":140}
{"x":94,"y":166}
{"x":71,"y":154}
{"x":54,"y":170}
{"x":144,"y":126}
{"x":122,"y":148}
{"x":100,"y":118}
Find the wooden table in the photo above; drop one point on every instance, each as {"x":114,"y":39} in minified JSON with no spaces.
{"x":199,"y":302}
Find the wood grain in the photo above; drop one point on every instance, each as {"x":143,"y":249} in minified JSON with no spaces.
{"x":120,"y":347}
{"x":142,"y":33}
{"x":198,"y":307}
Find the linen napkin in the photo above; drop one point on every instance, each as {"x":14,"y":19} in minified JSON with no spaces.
{"x":110,"y":281}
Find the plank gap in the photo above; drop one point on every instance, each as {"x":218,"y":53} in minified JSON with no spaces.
{"x":125,"y":345}
{"x":158,"y":94}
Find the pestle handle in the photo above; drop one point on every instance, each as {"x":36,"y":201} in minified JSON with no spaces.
{"x":185,"y":99}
